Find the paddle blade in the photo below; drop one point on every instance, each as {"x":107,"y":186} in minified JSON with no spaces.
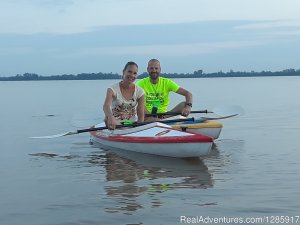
{"x":55,"y":135}
{"x":229,"y":111}
{"x":216,"y":118}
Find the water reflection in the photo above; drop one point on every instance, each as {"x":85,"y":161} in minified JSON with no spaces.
{"x":134,"y":181}
{"x":226,"y":157}
{"x":133,"y":176}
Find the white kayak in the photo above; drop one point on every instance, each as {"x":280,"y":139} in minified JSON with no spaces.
{"x":154,"y":138}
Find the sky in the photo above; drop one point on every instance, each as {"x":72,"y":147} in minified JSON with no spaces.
{"x":55,"y":37}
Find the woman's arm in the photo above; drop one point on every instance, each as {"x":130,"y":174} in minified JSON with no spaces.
{"x":110,"y":120}
{"x":140,"y":109}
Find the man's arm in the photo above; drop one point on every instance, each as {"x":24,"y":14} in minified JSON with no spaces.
{"x":188,"y":101}
{"x":188,"y":95}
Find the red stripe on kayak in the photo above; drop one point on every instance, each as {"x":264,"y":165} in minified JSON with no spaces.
{"x":157,"y":139}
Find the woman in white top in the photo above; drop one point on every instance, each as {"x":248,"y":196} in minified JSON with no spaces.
{"x":124,"y":100}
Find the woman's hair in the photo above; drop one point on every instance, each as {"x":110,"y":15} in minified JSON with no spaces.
{"x":130,"y":64}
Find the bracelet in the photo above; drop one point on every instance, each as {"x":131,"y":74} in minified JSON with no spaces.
{"x":189,"y":104}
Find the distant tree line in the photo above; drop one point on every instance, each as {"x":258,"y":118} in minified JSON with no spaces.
{"x":81,"y":76}
{"x":106,"y":76}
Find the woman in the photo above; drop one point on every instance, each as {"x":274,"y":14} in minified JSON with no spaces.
{"x":124,"y":100}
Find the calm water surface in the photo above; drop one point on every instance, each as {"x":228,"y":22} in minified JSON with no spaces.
{"x":252,"y":171}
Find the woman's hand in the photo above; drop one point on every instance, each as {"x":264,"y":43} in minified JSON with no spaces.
{"x":111,"y":123}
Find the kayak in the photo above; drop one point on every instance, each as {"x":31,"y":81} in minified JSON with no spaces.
{"x":154,"y":138}
{"x":206,"y":127}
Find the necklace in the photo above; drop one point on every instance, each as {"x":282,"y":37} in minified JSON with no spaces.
{"x":155,"y":102}
{"x":154,"y":86}
{"x":127,"y":92}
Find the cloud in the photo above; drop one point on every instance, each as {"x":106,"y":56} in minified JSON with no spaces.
{"x":73,"y":36}
{"x":171,"y":50}
{"x":174,"y":50}
{"x":270,"y":24}
{"x":272,"y":29}
{"x":67,"y":16}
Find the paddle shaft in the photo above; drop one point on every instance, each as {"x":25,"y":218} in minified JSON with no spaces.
{"x":136,"y":124}
{"x":175,"y":113}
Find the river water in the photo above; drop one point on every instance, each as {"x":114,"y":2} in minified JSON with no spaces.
{"x":251,"y":174}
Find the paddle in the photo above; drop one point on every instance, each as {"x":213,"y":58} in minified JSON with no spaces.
{"x":134,"y":124}
{"x":175,"y":113}
{"x":223,"y":111}
{"x":217,"y":118}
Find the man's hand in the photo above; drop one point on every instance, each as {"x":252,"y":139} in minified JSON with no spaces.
{"x":186,"y":110}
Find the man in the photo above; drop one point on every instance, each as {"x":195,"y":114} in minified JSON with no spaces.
{"x":157,"y":91}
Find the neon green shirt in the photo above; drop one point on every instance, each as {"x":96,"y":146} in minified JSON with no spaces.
{"x":157,"y":94}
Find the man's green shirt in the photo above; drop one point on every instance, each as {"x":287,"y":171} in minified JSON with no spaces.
{"x":157,"y":95}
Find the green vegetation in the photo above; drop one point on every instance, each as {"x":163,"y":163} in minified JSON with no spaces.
{"x":105,"y":76}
